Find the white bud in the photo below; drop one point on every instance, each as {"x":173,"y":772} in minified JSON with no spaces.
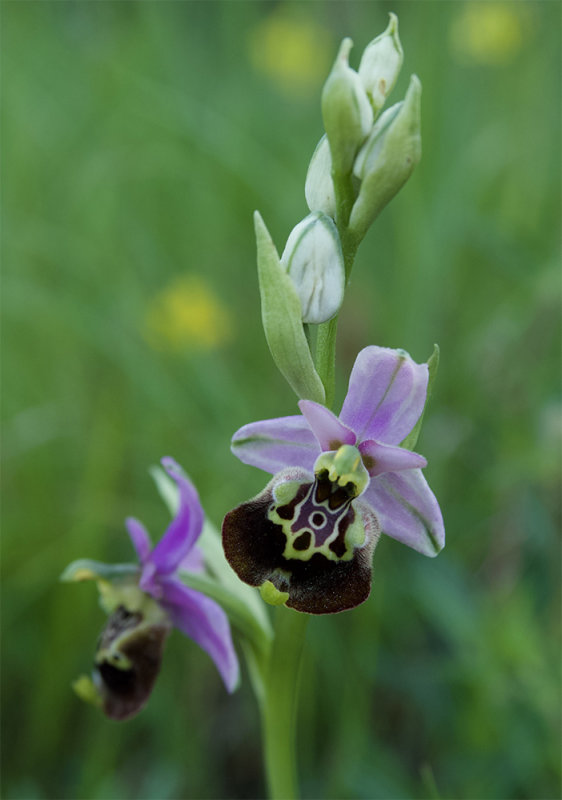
{"x":381,"y":63}
{"x":313,"y":259}
{"x":319,"y":186}
{"x":346,"y":111}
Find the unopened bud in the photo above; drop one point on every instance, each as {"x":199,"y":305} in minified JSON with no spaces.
{"x":387,"y":159}
{"x":380,"y":64}
{"x":319,"y":186}
{"x":313,"y":259}
{"x":346,"y":111}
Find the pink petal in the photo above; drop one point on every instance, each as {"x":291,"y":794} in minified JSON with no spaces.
{"x":379,"y":458}
{"x":186,"y":526}
{"x":139,"y":537}
{"x":273,"y":444}
{"x":407,"y":510}
{"x":327,"y":428}
{"x":386,"y":395}
{"x":205,"y":622}
{"x":149,"y":581}
{"x":194,"y":561}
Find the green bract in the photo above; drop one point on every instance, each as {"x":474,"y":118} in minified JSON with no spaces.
{"x":282,"y":320}
{"x":432,"y":365}
{"x":387,"y":159}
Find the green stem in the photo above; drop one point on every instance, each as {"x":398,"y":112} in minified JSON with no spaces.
{"x":280,"y":704}
{"x":349,"y":245}
{"x":325,"y":351}
{"x":343,"y":187}
{"x":345,"y":197}
{"x":325,"y":357}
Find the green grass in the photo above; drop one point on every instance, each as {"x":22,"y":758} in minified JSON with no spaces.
{"x":138,"y":138}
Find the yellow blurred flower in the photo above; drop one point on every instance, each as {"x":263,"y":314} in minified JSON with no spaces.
{"x":488,"y":33}
{"x":187,"y":315}
{"x":292,"y":50}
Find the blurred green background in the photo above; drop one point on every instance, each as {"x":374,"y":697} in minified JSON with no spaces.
{"x":138,"y":138}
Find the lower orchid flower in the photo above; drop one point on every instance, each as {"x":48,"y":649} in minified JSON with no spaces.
{"x":309,"y":536}
{"x":144,"y":604}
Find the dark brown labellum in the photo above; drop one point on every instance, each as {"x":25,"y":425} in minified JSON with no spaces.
{"x":309,"y":538}
{"x":128,"y":662}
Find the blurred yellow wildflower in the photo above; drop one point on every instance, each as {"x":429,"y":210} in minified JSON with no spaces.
{"x":187,"y":315}
{"x":488,"y":33}
{"x":292,"y":50}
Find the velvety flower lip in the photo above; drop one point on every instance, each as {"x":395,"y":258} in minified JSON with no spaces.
{"x":195,"y":614}
{"x":255,"y":545}
{"x":385,"y":399}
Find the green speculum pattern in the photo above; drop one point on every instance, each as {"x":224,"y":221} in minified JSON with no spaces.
{"x":318,"y":517}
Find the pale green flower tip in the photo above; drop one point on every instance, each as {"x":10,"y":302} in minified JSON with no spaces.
{"x":260,"y":228}
{"x":264,"y":240}
{"x":344,"y":51}
{"x":77,"y":572}
{"x":85,"y":569}
{"x":87,"y":691}
{"x":412,"y":100}
{"x":411,"y":440}
{"x":313,"y":259}
{"x":392,"y":27}
{"x":433,"y":365}
{"x":413,"y":95}
{"x":270,"y":594}
{"x":381,"y":64}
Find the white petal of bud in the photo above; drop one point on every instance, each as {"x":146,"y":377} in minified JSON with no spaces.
{"x":346,"y":111}
{"x":380,"y":64}
{"x":319,"y":186}
{"x":313,"y":259}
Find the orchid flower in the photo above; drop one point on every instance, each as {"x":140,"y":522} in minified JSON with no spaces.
{"x":145,"y":604}
{"x":338,"y":483}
